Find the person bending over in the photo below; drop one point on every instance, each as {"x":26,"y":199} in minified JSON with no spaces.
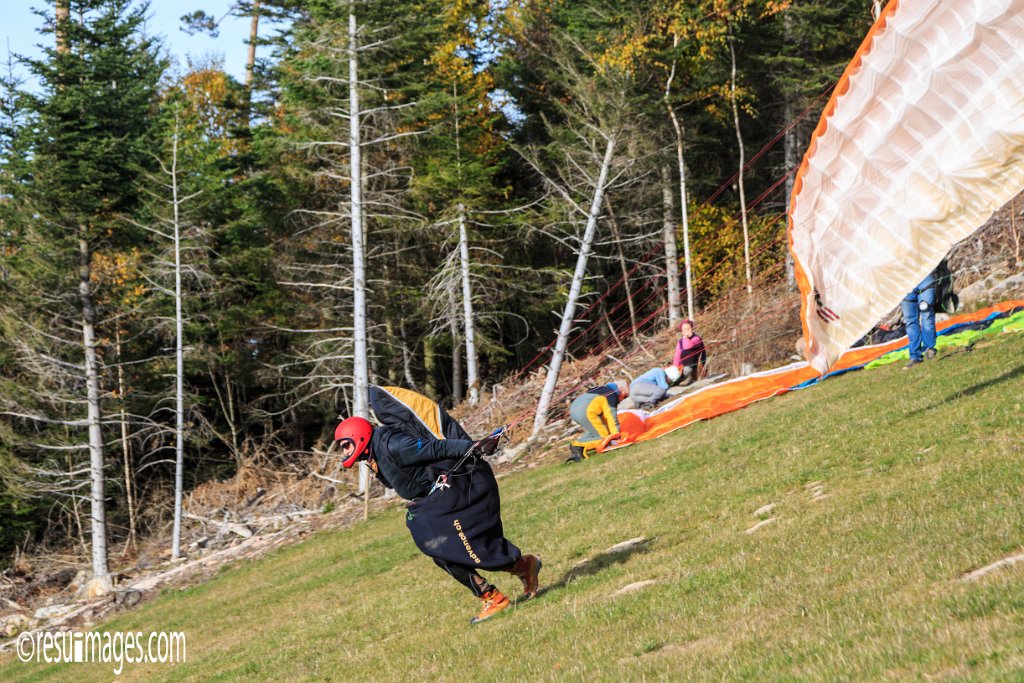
{"x":652,"y":386}
{"x":596,"y":411}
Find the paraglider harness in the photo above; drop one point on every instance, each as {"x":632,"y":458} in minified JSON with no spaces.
{"x":422,"y":418}
{"x":503,"y":435}
{"x":458,"y":520}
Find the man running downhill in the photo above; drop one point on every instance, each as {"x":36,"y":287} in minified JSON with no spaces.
{"x":455,"y":511}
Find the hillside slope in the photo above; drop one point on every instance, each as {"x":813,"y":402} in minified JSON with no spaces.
{"x":888,"y":486}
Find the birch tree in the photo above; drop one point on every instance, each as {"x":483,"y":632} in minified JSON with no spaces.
{"x":670,"y":250}
{"x":569,"y":312}
{"x":472,"y":376}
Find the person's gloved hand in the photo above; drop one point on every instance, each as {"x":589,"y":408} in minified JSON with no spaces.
{"x":487,"y":445}
{"x":608,"y":442}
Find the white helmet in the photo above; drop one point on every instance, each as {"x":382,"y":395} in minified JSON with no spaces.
{"x":672,"y":373}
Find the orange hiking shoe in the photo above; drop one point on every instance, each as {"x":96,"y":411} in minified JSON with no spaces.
{"x":527,"y":568}
{"x":494,"y":602}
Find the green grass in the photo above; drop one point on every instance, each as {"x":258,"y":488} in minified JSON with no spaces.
{"x":923,"y":475}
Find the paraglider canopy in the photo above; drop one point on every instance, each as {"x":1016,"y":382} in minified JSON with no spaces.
{"x":922,"y":140}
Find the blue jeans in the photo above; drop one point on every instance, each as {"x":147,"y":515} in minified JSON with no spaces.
{"x":920,"y":321}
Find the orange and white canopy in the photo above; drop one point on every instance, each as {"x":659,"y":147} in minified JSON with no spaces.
{"x":922,"y":140}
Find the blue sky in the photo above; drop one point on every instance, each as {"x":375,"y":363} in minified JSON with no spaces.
{"x":19,"y":31}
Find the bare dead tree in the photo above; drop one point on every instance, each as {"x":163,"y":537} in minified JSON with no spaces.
{"x":742,"y":163}
{"x":360,"y":181}
{"x":671,"y":259}
{"x":591,"y":130}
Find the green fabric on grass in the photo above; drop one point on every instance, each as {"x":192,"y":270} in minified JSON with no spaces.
{"x":1012,"y":323}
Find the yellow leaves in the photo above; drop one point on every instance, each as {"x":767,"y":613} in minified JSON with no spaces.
{"x":449,"y":66}
{"x":117,"y":277}
{"x":208,"y":116}
{"x":516,"y":18}
{"x":775,"y":6}
{"x":205,"y":86}
{"x":629,"y":55}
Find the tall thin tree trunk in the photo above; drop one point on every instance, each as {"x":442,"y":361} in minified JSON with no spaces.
{"x":125,"y":446}
{"x":569,"y":314}
{"x":453,"y":326}
{"x":430,"y":368}
{"x":62,"y":14}
{"x":668,"y":237}
{"x":406,"y":357}
{"x":739,"y":178}
{"x":361,"y":379}
{"x":101,"y":582}
{"x":226,"y":399}
{"x":678,"y":128}
{"x":791,"y":151}
{"x":179,"y":386}
{"x":456,"y":367}
{"x":622,"y":264}
{"x":250,"y":60}
{"x":472,"y":379}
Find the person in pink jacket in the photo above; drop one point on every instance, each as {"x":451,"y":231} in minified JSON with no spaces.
{"x":690,"y":355}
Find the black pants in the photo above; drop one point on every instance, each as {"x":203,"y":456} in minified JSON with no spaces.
{"x":460,"y":529}
{"x":468,"y":576}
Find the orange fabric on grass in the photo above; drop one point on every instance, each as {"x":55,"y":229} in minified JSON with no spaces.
{"x":734,"y":394}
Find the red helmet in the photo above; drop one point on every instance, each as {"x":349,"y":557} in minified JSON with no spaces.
{"x":356,"y":430}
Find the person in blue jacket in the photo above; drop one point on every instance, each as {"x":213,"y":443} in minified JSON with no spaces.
{"x":652,"y":386}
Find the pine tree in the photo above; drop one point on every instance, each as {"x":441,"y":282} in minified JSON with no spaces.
{"x":89,"y":135}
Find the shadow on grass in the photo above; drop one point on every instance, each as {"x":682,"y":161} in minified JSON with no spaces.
{"x":971,"y":390}
{"x":600,"y":562}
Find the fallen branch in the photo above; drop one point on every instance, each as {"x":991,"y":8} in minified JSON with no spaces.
{"x":237,"y":529}
{"x":989,"y":568}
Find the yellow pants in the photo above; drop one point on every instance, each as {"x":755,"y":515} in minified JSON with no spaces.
{"x":596,"y":416}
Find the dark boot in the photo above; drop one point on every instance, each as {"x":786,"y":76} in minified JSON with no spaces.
{"x":575,"y":454}
{"x":527,"y":568}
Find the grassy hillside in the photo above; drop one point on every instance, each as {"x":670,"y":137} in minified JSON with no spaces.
{"x":888,"y":485}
